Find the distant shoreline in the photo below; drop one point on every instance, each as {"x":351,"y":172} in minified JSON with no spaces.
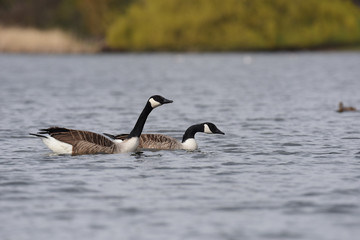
{"x":315,"y":49}
{"x":55,"y":41}
{"x":31,"y":40}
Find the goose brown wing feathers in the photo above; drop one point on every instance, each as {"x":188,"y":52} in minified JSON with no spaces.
{"x":158,"y":141}
{"x":83,"y":142}
{"x":85,"y":147}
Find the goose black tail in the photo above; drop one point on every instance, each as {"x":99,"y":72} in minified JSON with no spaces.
{"x":109,"y":135}
{"x":53,"y":130}
{"x":37,"y":135}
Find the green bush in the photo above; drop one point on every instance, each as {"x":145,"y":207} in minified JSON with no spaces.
{"x":230,"y":25}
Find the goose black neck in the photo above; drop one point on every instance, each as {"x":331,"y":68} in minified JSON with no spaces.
{"x":191,"y":131}
{"x":139,"y":125}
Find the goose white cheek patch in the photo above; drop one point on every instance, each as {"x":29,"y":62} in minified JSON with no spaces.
{"x":154,"y":103}
{"x":207,"y":129}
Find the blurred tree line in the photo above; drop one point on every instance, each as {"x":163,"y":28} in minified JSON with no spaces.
{"x":196,"y":25}
{"x":89,"y":18}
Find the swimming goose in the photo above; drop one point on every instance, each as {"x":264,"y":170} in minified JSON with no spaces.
{"x":163,"y":142}
{"x":345,"y":109}
{"x":77,"y":142}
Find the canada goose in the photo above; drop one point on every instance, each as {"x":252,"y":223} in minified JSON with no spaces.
{"x":77,"y":142}
{"x":345,"y":109}
{"x":163,"y":142}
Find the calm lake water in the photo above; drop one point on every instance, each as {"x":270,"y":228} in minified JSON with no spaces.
{"x":287,"y":168}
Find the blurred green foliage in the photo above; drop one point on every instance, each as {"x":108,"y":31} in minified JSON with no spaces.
{"x":196,"y":25}
{"x":230,"y":25}
{"x":97,"y":15}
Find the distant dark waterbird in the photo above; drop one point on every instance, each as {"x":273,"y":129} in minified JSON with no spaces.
{"x":342,"y":108}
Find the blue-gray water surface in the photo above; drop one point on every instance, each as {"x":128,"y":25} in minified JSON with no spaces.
{"x":287,"y":168}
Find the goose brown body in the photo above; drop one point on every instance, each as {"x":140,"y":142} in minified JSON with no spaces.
{"x":154,"y":141}
{"x":76,"y":142}
{"x":164,"y":142}
{"x":82,"y":142}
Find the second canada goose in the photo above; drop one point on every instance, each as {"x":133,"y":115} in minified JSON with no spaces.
{"x":76,"y":142}
{"x":163,"y":142}
{"x":345,"y":109}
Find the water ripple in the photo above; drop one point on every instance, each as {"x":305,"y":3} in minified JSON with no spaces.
{"x":290,"y":144}
{"x":282,"y":152}
{"x":15,"y":183}
{"x":339,"y":209}
{"x":74,"y":190}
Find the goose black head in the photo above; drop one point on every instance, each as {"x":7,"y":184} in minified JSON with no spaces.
{"x":158,"y":100}
{"x":211,"y":128}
